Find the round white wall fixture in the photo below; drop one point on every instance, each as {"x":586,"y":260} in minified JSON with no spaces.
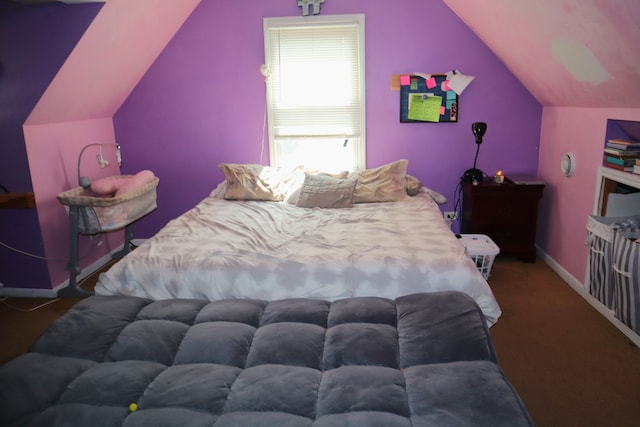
{"x":568,"y":164}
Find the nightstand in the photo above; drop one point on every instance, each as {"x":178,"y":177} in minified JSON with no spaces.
{"x":507,"y":213}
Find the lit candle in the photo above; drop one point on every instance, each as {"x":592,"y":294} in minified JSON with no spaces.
{"x":499,"y":177}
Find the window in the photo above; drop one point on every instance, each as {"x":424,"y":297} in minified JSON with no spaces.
{"x":315,"y":91}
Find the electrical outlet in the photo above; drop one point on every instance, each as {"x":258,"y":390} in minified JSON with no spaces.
{"x":451,"y":216}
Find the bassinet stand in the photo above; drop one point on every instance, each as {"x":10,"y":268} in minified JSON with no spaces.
{"x":85,"y":217}
{"x":73,"y":290}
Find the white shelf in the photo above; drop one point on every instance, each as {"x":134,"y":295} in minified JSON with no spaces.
{"x":608,"y":174}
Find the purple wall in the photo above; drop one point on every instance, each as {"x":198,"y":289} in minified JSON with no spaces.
{"x":29,"y":60}
{"x":202,"y":101}
{"x":34,"y":43}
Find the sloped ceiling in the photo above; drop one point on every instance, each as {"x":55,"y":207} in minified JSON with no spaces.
{"x":118,"y":48}
{"x":576,"y":53}
{"x":31,"y":2}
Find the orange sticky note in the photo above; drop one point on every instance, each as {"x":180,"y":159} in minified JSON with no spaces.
{"x":431,"y":83}
{"x":405,"y":80}
{"x":442,"y":110}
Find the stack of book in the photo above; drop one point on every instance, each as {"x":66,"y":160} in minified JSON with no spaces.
{"x":622,"y":154}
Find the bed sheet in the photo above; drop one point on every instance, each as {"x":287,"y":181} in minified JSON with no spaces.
{"x":224,"y":249}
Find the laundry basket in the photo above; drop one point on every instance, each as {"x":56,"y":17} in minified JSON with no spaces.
{"x":99,"y":214}
{"x":600,"y":235}
{"x":626,"y":279}
{"x":482,"y":250}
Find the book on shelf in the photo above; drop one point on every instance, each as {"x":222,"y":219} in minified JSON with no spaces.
{"x":623,"y":161}
{"x":624,"y":141}
{"x":619,"y":167}
{"x":624,"y":147}
{"x":621,"y":153}
{"x":623,"y":144}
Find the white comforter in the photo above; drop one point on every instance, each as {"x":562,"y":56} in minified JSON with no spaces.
{"x":272,"y":250}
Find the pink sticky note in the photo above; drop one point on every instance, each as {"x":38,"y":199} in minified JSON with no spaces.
{"x":431,"y":83}
{"x":442,"y":109}
{"x":445,"y":85}
{"x":405,"y":80}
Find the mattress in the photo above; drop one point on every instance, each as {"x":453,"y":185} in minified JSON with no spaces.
{"x":224,"y":249}
{"x":419,"y":360}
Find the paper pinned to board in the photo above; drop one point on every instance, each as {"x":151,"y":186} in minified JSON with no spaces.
{"x":424,"y":108}
{"x":458,"y":82}
{"x":423,"y":75}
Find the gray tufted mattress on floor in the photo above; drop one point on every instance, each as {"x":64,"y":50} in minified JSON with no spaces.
{"x":419,"y":360}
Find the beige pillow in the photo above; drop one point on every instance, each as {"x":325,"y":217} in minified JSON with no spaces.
{"x":323,"y":191}
{"x":255,"y":182}
{"x":387,"y":183}
{"x":413,"y":185}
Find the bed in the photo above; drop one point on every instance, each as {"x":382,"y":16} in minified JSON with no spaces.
{"x":423,"y":359}
{"x":271,"y":234}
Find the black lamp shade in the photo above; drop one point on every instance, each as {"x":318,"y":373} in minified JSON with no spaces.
{"x":478,"y":129}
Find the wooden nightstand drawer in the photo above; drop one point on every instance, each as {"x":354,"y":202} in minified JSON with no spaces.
{"x":507,"y":213}
{"x":501,"y":210}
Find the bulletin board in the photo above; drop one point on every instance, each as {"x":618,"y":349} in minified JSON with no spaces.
{"x":427,"y":100}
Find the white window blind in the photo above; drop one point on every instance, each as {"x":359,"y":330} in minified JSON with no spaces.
{"x":315,"y":92}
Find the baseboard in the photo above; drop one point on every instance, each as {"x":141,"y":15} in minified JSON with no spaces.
{"x":580,"y":288}
{"x":27,"y":292}
{"x":53,"y":293}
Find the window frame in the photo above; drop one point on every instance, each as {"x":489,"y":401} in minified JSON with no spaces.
{"x":359,"y":141}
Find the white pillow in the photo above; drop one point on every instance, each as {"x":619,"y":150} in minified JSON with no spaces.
{"x":339,"y":175}
{"x":323,"y":191}
{"x":414,"y":186}
{"x":293,"y":195}
{"x":437,"y":197}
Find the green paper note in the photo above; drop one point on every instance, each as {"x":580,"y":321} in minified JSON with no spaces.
{"x":424,"y":108}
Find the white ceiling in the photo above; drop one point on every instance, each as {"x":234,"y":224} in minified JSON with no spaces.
{"x":581,"y":53}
